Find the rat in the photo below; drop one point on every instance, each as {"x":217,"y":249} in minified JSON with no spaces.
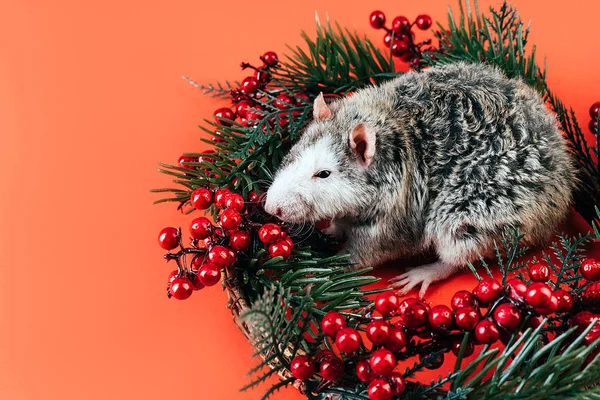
{"x":443,"y":159}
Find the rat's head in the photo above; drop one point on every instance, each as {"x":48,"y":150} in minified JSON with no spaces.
{"x":325,"y":173}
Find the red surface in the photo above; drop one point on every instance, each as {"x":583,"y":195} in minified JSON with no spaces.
{"x":90,"y":99}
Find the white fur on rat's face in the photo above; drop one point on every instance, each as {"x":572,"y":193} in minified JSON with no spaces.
{"x":298,"y":194}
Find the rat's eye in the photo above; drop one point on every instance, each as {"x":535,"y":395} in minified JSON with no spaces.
{"x":323,"y":174}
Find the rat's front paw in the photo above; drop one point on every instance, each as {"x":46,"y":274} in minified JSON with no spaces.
{"x":424,"y":275}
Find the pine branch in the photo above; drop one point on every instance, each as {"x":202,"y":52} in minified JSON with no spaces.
{"x":217,"y":90}
{"x":586,"y":157}
{"x":528,"y":370}
{"x":337,"y":60}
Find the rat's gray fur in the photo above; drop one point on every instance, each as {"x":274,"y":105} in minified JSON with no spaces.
{"x":461,"y":153}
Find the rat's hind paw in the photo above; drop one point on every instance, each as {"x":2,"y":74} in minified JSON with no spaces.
{"x":424,"y":275}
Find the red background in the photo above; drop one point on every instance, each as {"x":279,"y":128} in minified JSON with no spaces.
{"x":90,"y":99}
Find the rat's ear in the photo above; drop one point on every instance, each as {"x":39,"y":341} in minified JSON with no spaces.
{"x":320,"y":109}
{"x":362,"y":141}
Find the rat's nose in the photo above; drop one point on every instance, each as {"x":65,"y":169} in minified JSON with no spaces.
{"x":278,"y":212}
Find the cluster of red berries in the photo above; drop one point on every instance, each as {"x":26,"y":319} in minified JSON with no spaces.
{"x":246,"y":98}
{"x":400,"y":37}
{"x":214,"y":248}
{"x":509,"y":308}
{"x":184,"y":160}
{"x":594,"y":110}
{"x":278,"y":242}
{"x":590,"y":298}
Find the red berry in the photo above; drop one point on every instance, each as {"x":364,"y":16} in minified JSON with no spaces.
{"x":399,"y":48}
{"x":382,"y":362}
{"x":239,"y":240}
{"x":508,"y":315}
{"x":432,"y":363}
{"x":396,"y":340}
{"x":196,"y":284}
{"x":592,"y":335}
{"x":281,"y":248}
{"x":223,"y":114}
{"x":594,"y":110}
{"x":440,"y":317}
{"x":487,"y":291}
{"x":363,"y":371}
{"x":181,"y":288}
{"x":230,"y":219}
{"x":302,"y":367}
{"x":301,"y":99}
{"x":332,"y":322}
{"x":221,"y":256}
{"x":254,"y":114}
{"x":378,"y":331}
{"x":348,"y":340}
{"x":550,"y":308}
{"x":387,"y":39}
{"x":221,"y":197}
{"x":377,"y":19}
{"x":270,"y":58}
{"x":288,"y":240}
{"x":591,"y":295}
{"x":535,"y":321}
{"x":205,"y":158}
{"x":539,"y":272}
{"x":332,"y":369}
{"x":405,"y":303}
{"x":423,"y":21}
{"x":565,"y":300}
{"x":400,"y":25}
{"x":168,"y":238}
{"x":463,"y":298}
{"x":269,"y":233}
{"x":200,"y":228}
{"x":249,"y":85}
{"x":398,"y":384}
{"x":197,"y":262}
{"x":538,"y":294}
{"x":456,"y":345}
{"x":590,"y":269}
{"x":262,"y":76}
{"x":593,"y":126}
{"x":415,"y":315}
{"x":323,"y":355}
{"x":406,"y":37}
{"x":209,"y":274}
{"x":466,"y":318}
{"x":283,"y":101}
{"x":234,"y":201}
{"x":201,"y":198}
{"x":516,"y":289}
{"x":380,"y":389}
{"x":242,"y":107}
{"x":186,"y":159}
{"x":581,"y":320}
{"x":255,"y":198}
{"x":486,"y":332}
{"x":173,"y":275}
{"x":386,"y":303}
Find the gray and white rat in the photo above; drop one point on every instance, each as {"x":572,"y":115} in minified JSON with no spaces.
{"x":443,"y":159}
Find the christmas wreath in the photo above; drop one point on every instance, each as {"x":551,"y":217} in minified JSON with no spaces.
{"x":315,"y":322}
